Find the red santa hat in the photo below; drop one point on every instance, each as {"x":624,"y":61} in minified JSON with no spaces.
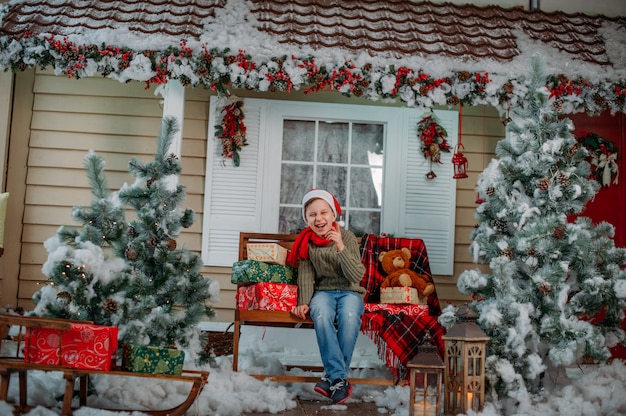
{"x":326,"y":196}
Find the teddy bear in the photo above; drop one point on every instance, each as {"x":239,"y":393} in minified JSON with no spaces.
{"x":396,"y":264}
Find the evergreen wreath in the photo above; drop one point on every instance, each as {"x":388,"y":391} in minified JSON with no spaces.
{"x":602,"y":157}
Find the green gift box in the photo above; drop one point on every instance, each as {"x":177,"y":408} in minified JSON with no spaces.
{"x":254,"y":271}
{"x":153,"y":360}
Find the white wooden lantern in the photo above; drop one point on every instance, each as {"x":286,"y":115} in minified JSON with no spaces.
{"x":464,"y":376}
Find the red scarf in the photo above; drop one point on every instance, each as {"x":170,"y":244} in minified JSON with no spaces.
{"x":300,"y":248}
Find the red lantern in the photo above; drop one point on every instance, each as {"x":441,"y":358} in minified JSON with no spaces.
{"x":479,"y":198}
{"x":459,"y":162}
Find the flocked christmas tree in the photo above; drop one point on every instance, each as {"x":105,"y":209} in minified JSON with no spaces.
{"x":85,"y":281}
{"x":169,"y":293}
{"x":555,"y":292}
{"x":131,"y":274}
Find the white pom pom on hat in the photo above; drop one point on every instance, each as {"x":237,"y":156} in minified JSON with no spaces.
{"x":326,"y":196}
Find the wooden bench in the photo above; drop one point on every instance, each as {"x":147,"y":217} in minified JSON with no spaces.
{"x":280,"y":319}
{"x":17,"y":364}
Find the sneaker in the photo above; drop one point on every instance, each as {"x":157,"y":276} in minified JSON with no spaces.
{"x":323,"y":387}
{"x":341,"y":390}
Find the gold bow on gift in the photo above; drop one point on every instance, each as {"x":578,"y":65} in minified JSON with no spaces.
{"x":608,"y":162}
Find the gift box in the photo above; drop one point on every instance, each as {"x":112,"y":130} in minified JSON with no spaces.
{"x":84,"y":346}
{"x":267,"y":296}
{"x":271,"y":253}
{"x":254,"y":271}
{"x":152,"y":360}
{"x":399,"y":295}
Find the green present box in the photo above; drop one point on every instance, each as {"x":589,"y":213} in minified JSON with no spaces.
{"x":254,"y":271}
{"x":152,"y":360}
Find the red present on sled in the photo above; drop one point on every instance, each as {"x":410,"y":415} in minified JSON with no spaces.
{"x":84,"y":346}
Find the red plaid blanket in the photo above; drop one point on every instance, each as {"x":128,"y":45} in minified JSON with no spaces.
{"x":397,"y":334}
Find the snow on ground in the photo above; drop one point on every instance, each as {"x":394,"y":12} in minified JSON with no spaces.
{"x":583,"y":391}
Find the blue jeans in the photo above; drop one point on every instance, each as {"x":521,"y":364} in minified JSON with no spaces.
{"x":336,"y":344}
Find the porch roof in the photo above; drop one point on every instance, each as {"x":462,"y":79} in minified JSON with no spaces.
{"x":368,"y":38}
{"x":393,"y":28}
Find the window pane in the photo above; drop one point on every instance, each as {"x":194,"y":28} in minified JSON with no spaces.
{"x":367,"y":139}
{"x":334,"y":180}
{"x":333,"y":142}
{"x":290,"y":220}
{"x":295,"y":181}
{"x":362,"y":222}
{"x":298,"y":136}
{"x":366,"y":187}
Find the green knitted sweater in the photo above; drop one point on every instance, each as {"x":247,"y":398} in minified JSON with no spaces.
{"x":328,"y":269}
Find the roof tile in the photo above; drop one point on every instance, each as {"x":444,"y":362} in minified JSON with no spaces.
{"x":396,"y":28}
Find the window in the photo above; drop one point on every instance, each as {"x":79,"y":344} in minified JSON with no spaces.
{"x":368,"y":156}
{"x":343,"y":157}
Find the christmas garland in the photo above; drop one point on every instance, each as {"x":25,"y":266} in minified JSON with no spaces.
{"x":433,"y":141}
{"x":602,"y":157}
{"x":219,"y":68}
{"x":232,"y":131}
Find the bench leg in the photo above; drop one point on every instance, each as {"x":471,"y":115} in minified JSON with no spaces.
{"x":5,"y":378}
{"x":23,"y":389}
{"x":236,"y":346}
{"x":70,"y":378}
{"x":82,"y":396}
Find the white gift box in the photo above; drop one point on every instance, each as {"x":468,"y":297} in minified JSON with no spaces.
{"x":271,"y":253}
{"x":399,"y":295}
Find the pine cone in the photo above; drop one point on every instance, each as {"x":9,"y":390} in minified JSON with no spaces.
{"x":563,"y":179}
{"x":491,"y":191}
{"x":132,"y":232}
{"x":171,"y":244}
{"x":557,"y":106}
{"x":131,"y":253}
{"x":464,"y":75}
{"x":110,"y":305}
{"x":124,"y":63}
{"x":506,"y":252}
{"x":64,"y":295}
{"x":532,"y":252}
{"x":153,"y":241}
{"x":544,"y":184}
{"x":559,"y":232}
{"x":599,"y":100}
{"x":545,"y":288}
{"x":435,"y":153}
{"x":498,"y":224}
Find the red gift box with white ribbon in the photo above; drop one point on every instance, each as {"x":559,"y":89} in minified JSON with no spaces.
{"x":267,"y":296}
{"x":84,"y":346}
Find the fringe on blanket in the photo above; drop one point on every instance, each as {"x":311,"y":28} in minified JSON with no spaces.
{"x":386,"y":354}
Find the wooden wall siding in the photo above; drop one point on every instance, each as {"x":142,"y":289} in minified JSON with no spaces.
{"x":120,"y":121}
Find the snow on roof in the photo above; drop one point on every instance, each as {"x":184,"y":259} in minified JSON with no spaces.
{"x":285,"y":44}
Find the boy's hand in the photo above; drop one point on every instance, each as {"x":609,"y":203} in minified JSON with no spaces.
{"x":335,"y":236}
{"x":300,"y":311}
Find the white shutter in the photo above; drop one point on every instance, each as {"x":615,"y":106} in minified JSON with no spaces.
{"x":232,"y":194}
{"x":430,"y":204}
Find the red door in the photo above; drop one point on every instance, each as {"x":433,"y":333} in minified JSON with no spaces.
{"x":609,"y":203}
